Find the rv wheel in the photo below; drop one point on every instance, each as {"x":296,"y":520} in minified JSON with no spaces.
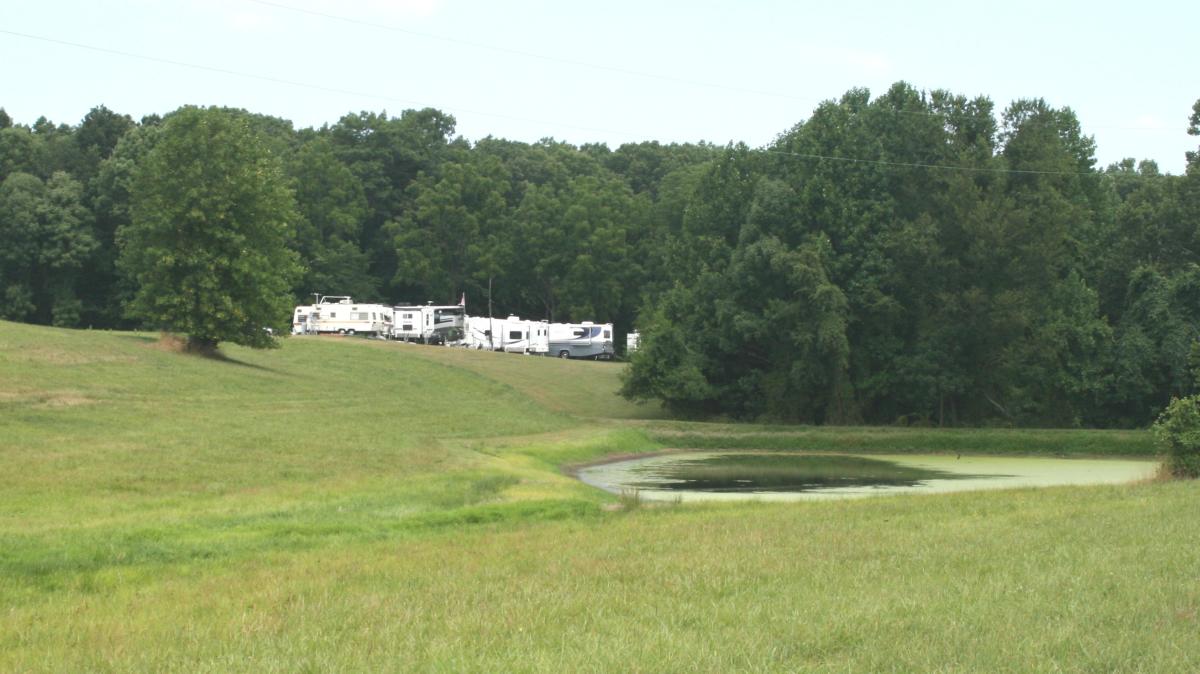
{"x":564,"y":354}
{"x":341,"y":332}
{"x":350,"y":332}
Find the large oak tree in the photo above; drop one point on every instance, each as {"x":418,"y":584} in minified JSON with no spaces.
{"x":212,"y":219}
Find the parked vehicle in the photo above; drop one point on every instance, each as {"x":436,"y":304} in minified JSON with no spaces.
{"x":340,"y":314}
{"x":428,"y":323}
{"x":512,"y":334}
{"x":478,"y":331}
{"x":581,"y":340}
{"x":522,"y":336}
{"x":632,"y":341}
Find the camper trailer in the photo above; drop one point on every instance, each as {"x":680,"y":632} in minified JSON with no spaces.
{"x":300,"y":319}
{"x":632,"y":341}
{"x":521,"y":336}
{"x":340,"y":314}
{"x":512,"y":334}
{"x":477,"y":332}
{"x":428,"y":323}
{"x":581,"y":340}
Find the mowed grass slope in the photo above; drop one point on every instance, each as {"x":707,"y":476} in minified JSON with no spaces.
{"x":347,"y":505}
{"x":582,"y":388}
{"x":117,"y":451}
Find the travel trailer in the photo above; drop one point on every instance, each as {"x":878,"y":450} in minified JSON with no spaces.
{"x":477,"y":332}
{"x":428,"y":323}
{"x":632,"y":341}
{"x":340,"y":314}
{"x":300,"y":319}
{"x":512,"y":334}
{"x":521,"y":336}
{"x":581,"y":340}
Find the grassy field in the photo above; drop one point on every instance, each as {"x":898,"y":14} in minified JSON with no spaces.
{"x":348,"y":505}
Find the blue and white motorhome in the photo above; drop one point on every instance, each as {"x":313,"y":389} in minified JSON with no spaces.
{"x":340,"y":314}
{"x":428,"y":323}
{"x":581,"y":340}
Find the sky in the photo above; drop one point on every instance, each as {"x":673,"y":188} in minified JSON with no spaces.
{"x":613,"y":72}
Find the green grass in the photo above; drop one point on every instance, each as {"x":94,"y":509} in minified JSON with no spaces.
{"x":582,"y":388}
{"x":894,"y":440}
{"x":348,"y":505}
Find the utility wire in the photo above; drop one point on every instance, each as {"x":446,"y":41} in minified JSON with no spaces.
{"x":294,"y":83}
{"x":317,"y":87}
{"x":608,"y":68}
{"x":526,"y":54}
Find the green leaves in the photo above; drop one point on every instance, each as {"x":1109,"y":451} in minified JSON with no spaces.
{"x":1178,"y":432}
{"x":212,"y":217}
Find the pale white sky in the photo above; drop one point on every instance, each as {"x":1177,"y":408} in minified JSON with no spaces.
{"x":612,"y":72}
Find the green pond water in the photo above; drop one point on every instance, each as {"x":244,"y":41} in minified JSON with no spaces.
{"x":783,"y":476}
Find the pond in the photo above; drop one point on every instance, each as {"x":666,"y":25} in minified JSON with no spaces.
{"x":786,"y":476}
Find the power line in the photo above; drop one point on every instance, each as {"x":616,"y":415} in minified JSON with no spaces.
{"x":526,"y":54}
{"x":613,"y":69}
{"x":317,"y":87}
{"x":295,"y":83}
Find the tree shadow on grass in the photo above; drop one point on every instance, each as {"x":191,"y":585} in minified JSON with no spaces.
{"x":179,"y":345}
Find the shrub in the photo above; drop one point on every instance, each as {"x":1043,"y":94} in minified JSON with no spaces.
{"x":1178,"y":431}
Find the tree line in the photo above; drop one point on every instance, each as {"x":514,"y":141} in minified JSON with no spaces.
{"x":914,"y":257}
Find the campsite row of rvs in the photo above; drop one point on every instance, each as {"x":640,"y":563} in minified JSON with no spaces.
{"x":450,"y":325}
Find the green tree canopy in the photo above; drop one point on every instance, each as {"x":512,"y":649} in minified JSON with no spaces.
{"x":208,"y":244}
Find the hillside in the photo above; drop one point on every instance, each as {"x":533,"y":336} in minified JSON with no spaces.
{"x":349,"y":505}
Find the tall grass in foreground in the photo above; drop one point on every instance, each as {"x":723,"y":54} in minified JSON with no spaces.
{"x":1072,"y":579}
{"x":346,"y":505}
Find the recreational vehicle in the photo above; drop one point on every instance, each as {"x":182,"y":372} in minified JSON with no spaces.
{"x":512,"y":334}
{"x":428,"y":323}
{"x":477,"y":332}
{"x":300,"y":319}
{"x":341,"y":315}
{"x":632,"y":341}
{"x":581,"y":340}
{"x":521,"y":336}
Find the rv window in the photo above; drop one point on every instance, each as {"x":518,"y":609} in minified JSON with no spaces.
{"x":579,"y":332}
{"x":407,"y":327}
{"x":606,"y":335}
{"x":333,"y":314}
{"x":514,"y":334}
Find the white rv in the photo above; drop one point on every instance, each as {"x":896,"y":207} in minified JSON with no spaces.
{"x":477,"y":332}
{"x":300,"y":319}
{"x":632,"y":341}
{"x":428,"y":323}
{"x":340,"y":314}
{"x":512,"y":334}
{"x":520,"y":336}
{"x":581,"y":340}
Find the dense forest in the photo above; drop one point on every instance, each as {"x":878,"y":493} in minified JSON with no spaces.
{"x":917,"y":257}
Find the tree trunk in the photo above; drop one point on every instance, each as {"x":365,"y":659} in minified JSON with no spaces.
{"x":202,"y":345}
